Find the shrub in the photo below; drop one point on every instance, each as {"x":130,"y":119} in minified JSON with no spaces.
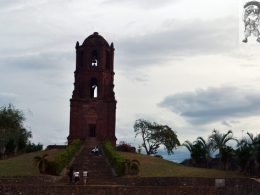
{"x":41,"y":162}
{"x":114,"y":158}
{"x":54,"y":167}
{"x":125,"y":147}
{"x":132,"y":167}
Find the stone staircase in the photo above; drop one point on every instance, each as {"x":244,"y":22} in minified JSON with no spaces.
{"x":97,"y":166}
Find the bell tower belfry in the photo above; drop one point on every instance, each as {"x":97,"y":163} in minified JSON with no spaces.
{"x":93,"y":104}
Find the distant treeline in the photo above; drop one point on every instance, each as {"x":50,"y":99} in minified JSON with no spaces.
{"x":245,"y":156}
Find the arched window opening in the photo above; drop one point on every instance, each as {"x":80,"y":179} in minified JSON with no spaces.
{"x":94,"y":60}
{"x":107,"y":60}
{"x":93,"y":88}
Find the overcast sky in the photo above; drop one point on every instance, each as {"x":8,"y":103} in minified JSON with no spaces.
{"x":177,"y":62}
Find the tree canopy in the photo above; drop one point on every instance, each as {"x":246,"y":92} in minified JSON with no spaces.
{"x":154,"y":135}
{"x":200,"y":151}
{"x":13,"y":135}
{"x":248,"y":153}
{"x":245,"y":156}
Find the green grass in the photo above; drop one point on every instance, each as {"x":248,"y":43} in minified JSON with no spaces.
{"x":23,"y":165}
{"x":156,"y":167}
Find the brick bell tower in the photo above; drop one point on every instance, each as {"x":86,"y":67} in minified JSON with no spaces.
{"x":93,"y":104}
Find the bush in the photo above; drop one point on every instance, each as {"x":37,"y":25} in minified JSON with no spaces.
{"x":114,"y":158}
{"x":132,"y":167}
{"x":55,"y":166}
{"x":52,"y":168}
{"x":125,"y":147}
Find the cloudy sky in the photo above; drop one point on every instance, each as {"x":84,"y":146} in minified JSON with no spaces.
{"x":177,"y":62}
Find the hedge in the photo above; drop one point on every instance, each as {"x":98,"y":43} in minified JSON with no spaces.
{"x":117,"y":161}
{"x":55,"y":166}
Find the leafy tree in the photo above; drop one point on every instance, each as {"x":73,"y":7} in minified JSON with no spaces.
{"x":248,"y":153}
{"x":255,"y":144}
{"x":227,"y":154}
{"x":32,"y":147}
{"x":154,"y":135}
{"x":188,"y":145}
{"x":207,"y":148}
{"x":23,"y":139}
{"x":11,"y":122}
{"x":18,"y":142}
{"x":198,"y":151}
{"x":13,"y":136}
{"x":219,"y":142}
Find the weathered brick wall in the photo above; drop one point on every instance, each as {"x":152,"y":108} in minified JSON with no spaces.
{"x":101,"y":190}
{"x":125,"y":186}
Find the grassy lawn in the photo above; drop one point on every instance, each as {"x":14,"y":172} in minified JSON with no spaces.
{"x":156,"y":167}
{"x":23,"y":165}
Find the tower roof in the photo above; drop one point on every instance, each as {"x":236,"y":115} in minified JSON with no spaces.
{"x":95,"y":38}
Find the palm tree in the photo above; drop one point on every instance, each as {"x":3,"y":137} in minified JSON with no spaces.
{"x":197,"y":151}
{"x":132,"y":167}
{"x":255,"y":144}
{"x":188,"y":145}
{"x":248,"y":153}
{"x":41,"y":162}
{"x":207,"y":146}
{"x":219,"y":142}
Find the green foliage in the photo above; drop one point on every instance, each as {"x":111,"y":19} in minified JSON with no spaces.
{"x":200,"y":151}
{"x":54,"y":167}
{"x":11,"y":124}
{"x":122,"y":166}
{"x":132,"y":167}
{"x":41,"y":162}
{"x":248,"y":154}
{"x":154,"y":135}
{"x":125,"y":147}
{"x":114,"y":158}
{"x":13,"y":136}
{"x":219,"y":142}
{"x":227,"y":153}
{"x":32,"y":147}
{"x":65,"y":157}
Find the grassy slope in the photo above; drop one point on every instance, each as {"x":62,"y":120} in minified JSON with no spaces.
{"x":156,"y":167}
{"x":150,"y":167}
{"x":23,"y":165}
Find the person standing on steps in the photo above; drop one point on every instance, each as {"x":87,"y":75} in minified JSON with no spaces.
{"x":95,"y":150}
{"x":85,"y":177}
{"x":76,"y":177}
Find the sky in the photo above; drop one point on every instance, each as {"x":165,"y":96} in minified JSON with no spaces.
{"x":177,"y":62}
